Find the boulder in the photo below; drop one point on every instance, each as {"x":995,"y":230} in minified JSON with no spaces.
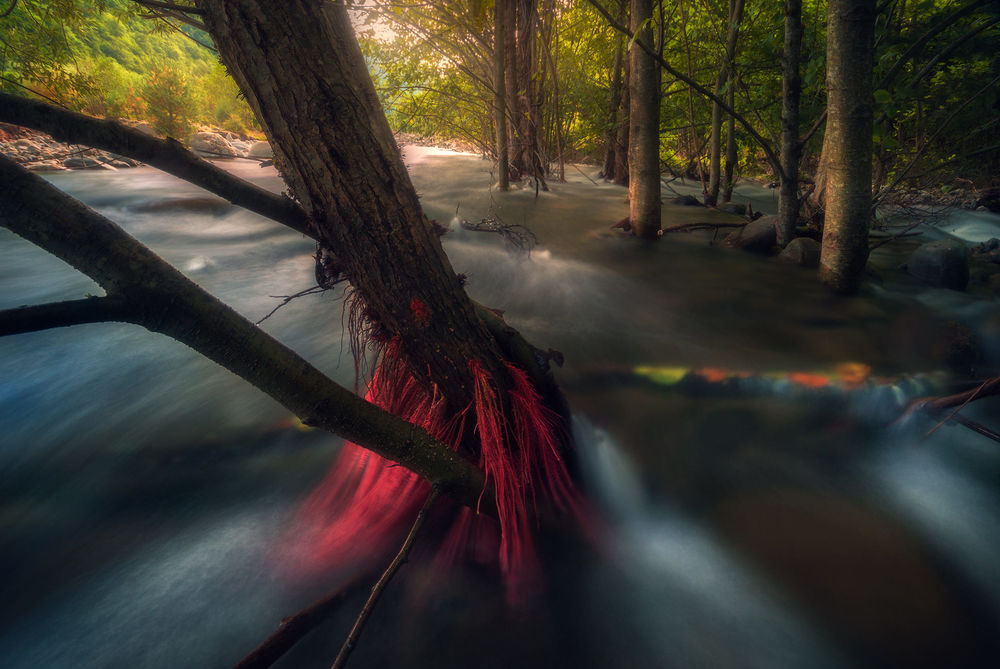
{"x":241,"y":147}
{"x":758,"y":236}
{"x":146,"y":129}
{"x":260,"y":151}
{"x":212,"y":145}
{"x":944,"y":264}
{"x":801,"y":251}
{"x":81,"y":163}
{"x":686,"y":201}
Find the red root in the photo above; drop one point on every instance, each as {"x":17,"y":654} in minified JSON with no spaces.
{"x":420,"y":310}
{"x":365,"y":503}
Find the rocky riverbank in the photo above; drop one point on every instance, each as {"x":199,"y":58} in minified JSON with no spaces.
{"x":38,"y":152}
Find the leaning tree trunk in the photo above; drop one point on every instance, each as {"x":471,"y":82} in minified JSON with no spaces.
{"x":851,"y":27}
{"x":500,"y":92}
{"x":644,"y":128}
{"x":715,"y":151}
{"x":791,"y":150}
{"x":300,"y":67}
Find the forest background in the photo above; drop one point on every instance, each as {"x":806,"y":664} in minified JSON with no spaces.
{"x":937,"y":106}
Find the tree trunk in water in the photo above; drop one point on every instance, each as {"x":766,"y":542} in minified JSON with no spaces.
{"x":500,"y":93}
{"x":644,"y":128}
{"x":301,"y":69}
{"x":516,"y":142}
{"x":851,"y":27}
{"x":715,"y":152}
{"x":791,"y":88}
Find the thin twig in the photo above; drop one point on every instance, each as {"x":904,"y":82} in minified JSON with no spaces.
{"x":971,"y":396}
{"x":285,"y":299}
{"x":399,"y":561}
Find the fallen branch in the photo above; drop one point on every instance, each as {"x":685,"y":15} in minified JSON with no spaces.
{"x":165,"y":154}
{"x":691,"y":227}
{"x":62,"y":314}
{"x":958,"y":401}
{"x":161,"y":299}
{"x":399,"y":561}
{"x":292,"y":629}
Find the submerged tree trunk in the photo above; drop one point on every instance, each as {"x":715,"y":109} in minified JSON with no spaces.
{"x":644,"y":128}
{"x":500,"y":93}
{"x":715,"y":151}
{"x":791,"y":88}
{"x":441,"y":365}
{"x":851,"y":27}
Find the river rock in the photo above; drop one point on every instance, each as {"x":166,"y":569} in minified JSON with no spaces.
{"x":46,"y":166}
{"x":944,"y":264}
{"x":801,"y":251}
{"x":686,"y":201}
{"x":212,"y":145}
{"x":758,"y":236}
{"x":260,"y":151}
{"x":990,"y":199}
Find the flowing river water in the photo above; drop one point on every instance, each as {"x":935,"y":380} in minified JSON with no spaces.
{"x":766,"y":512}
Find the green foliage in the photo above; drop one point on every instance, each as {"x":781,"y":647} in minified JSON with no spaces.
{"x":170,"y":100}
{"x":100,"y":57}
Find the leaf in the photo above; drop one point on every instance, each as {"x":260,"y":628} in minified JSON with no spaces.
{"x":882,"y":96}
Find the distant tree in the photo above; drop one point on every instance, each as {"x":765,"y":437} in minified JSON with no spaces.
{"x":170,"y":102}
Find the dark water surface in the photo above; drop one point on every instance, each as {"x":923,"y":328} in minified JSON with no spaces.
{"x":753,"y":522}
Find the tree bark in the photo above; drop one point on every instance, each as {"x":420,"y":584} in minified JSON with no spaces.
{"x":500,"y":92}
{"x":143,"y":289}
{"x":336,"y":151}
{"x":644,"y":128}
{"x":725,"y":73}
{"x":851,"y":27}
{"x":791,"y":150}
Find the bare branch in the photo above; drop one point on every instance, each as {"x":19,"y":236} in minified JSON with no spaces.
{"x":292,"y":629}
{"x":165,"y":154}
{"x":164,"y":300}
{"x":62,"y":314}
{"x":172,"y":6}
{"x":399,"y":561}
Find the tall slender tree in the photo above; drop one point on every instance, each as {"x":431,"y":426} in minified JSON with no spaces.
{"x":715,"y":150}
{"x":644,"y":126}
{"x":791,"y":150}
{"x":500,"y":91}
{"x":848,"y":146}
